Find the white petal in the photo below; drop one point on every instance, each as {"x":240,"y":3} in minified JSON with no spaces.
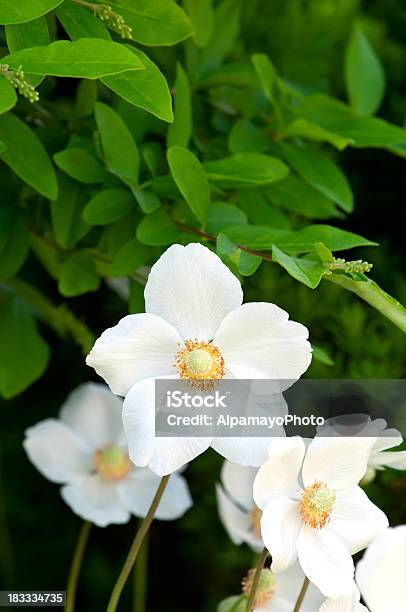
{"x":244,"y":451}
{"x":325,"y":561}
{"x":95,"y":500}
{"x":395,"y":460}
{"x":288,"y":586}
{"x":280,"y":526}
{"x":162,"y":455}
{"x":339,"y":462}
{"x":381,"y":572}
{"x":259,"y":338}
{"x":344,"y":604}
{"x":355,"y":520}
{"x":94,"y":413}
{"x":236,"y":521}
{"x":238,"y":481}
{"x":139,"y":346}
{"x":279,"y":475}
{"x":387,"y":438}
{"x":56,"y":451}
{"x":138,"y":489}
{"x":192,"y":289}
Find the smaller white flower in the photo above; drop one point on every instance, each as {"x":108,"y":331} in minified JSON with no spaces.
{"x":387,"y":438}
{"x":344,"y":604}
{"x":313,"y":509}
{"x":238,"y":512}
{"x":381,"y":573}
{"x":86,"y":451}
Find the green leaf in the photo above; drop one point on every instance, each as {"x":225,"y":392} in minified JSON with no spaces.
{"x":222,"y":214}
{"x":120,"y":151}
{"x":89,"y":58}
{"x":8,"y":95}
{"x":85,"y":99}
{"x":293,"y":243}
{"x":267,"y":76}
{"x":23,"y":353}
{"x":136,"y":301}
{"x":24,"y":10}
{"x":245,"y":170}
{"x":245,"y":137}
{"x":78,"y":275}
{"x":66,"y":213}
{"x":190,"y":177}
{"x":321,"y":355}
{"x":306,"y":129}
{"x":317,"y":169}
{"x":158,"y":229}
{"x":201,"y":15}
{"x":154,"y":22}
{"x":108,"y":206}
{"x":146,"y":88}
{"x":2,"y":146}
{"x":13,"y":241}
{"x":25,"y":35}
{"x":147,"y":200}
{"x":26,"y":156}
{"x":130,"y":257}
{"x":323,"y":252}
{"x":305,"y":271}
{"x":260,"y":211}
{"x":180,"y":132}
{"x":248,"y":263}
{"x":364,"y":74}
{"x":80,"y":165}
{"x":337,"y":117}
{"x":225,"y":247}
{"x":79,"y":22}
{"x":295,"y":195}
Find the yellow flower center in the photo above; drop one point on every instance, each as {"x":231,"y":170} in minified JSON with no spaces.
{"x":255,"y":519}
{"x":199,"y":362}
{"x":265,"y":588}
{"x":111,"y":463}
{"x":316,"y":505}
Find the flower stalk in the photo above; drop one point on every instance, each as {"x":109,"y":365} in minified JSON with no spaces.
{"x":302,"y":594}
{"x":76,"y":565}
{"x":257,"y":575}
{"x":136,"y":546}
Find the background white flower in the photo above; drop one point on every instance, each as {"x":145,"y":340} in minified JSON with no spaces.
{"x":344,"y":604}
{"x":237,"y":510}
{"x":381,"y":573}
{"x":313,"y":509}
{"x":195,"y":328}
{"x":85,"y":450}
{"x":387,"y":438}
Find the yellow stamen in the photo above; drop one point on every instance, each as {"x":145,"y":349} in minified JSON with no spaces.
{"x":199,"y":362}
{"x":316,"y":505}
{"x":255,"y":517}
{"x":111,"y":463}
{"x":265,"y":589}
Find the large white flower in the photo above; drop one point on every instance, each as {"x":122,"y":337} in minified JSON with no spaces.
{"x":85,"y":450}
{"x":381,"y":573}
{"x":313,"y":509}
{"x":195,"y":328}
{"x":237,"y":510}
{"x":387,"y":438}
{"x":344,"y":604}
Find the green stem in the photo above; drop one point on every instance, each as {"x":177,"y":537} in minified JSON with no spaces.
{"x":301,"y":595}
{"x":140,"y":578}
{"x":371,"y":293}
{"x":258,"y":570}
{"x":135,"y":547}
{"x":75,"y":567}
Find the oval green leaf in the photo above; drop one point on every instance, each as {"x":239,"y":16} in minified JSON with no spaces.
{"x":245,"y":170}
{"x":24,"y":10}
{"x":108,"y":206}
{"x":191,"y":180}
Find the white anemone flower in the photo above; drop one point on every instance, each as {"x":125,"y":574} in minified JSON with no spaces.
{"x":387,"y":438}
{"x":238,"y":512}
{"x":381,"y":573}
{"x":195,"y":328}
{"x":313,"y":509}
{"x":86,"y":451}
{"x":344,"y":604}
